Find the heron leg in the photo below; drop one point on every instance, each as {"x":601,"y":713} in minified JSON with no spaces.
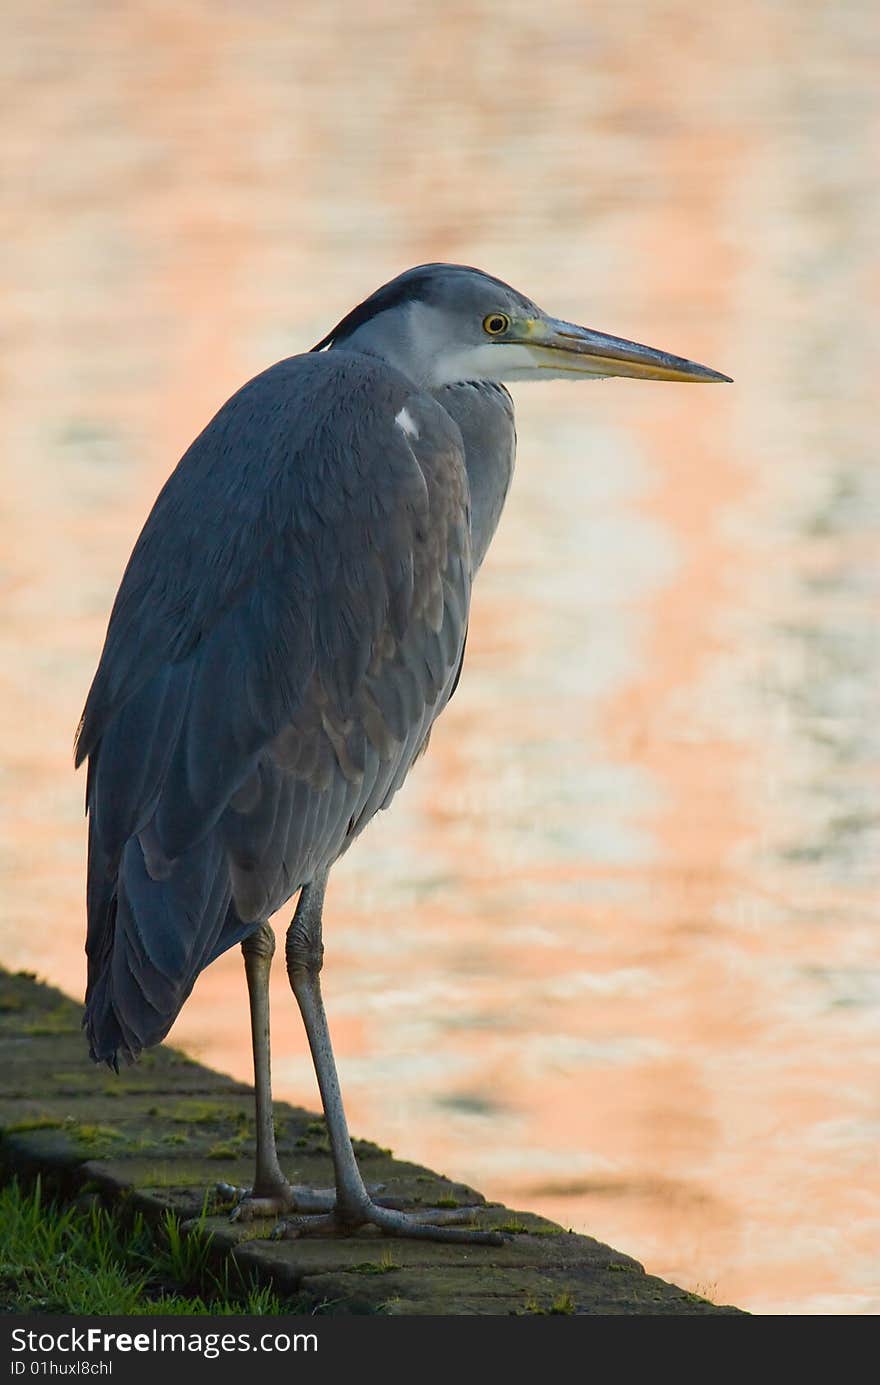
{"x":271,"y":1193}
{"x":258,"y":950}
{"x":354,"y":1206}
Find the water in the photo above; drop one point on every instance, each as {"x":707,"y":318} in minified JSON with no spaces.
{"x":613,"y":953}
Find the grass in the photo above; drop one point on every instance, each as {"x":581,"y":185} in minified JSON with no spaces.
{"x":563,"y":1304}
{"x":385,"y":1265}
{"x":515,"y":1226}
{"x":697,"y":1297}
{"x":57,"y":1258}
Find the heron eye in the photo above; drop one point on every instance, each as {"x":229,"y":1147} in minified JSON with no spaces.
{"x":495,"y":324}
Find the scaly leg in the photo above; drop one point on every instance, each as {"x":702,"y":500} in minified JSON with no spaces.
{"x":354,"y":1207}
{"x":271,"y":1193}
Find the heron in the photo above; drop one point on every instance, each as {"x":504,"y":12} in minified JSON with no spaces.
{"x":290,"y":624}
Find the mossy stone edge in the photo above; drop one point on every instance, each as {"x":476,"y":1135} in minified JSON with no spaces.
{"x":156,"y":1137}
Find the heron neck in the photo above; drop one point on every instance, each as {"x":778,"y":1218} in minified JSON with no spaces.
{"x":484,"y":414}
{"x":387,"y":338}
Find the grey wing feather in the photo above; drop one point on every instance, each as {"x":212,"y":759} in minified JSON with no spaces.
{"x":351,"y":746}
{"x":286,"y":622}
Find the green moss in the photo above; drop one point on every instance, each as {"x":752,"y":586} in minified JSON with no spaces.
{"x":86,"y":1080}
{"x":34,"y":1123}
{"x":96,"y":1134}
{"x":366,"y":1149}
{"x":43,"y":1029}
{"x":224,"y":1150}
{"x":233,"y":1146}
{"x":59,"y":1019}
{"x":383,"y":1266}
{"x":198,"y":1111}
{"x":174,"y":1173}
{"x":87,"y":1137}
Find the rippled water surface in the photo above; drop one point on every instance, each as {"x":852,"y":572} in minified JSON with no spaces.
{"x":613,"y":953}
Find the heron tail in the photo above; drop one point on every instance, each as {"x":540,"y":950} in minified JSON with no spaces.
{"x":148,"y":940}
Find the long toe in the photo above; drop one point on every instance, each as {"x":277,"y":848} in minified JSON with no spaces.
{"x":435,"y":1224}
{"x":320,"y":1224}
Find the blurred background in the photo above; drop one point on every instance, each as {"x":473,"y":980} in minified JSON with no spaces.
{"x":613,"y":954}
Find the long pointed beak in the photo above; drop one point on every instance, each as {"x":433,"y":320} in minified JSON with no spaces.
{"x":566,"y":349}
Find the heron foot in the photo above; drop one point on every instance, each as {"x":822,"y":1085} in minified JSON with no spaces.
{"x":433,"y":1224}
{"x":288,"y":1197}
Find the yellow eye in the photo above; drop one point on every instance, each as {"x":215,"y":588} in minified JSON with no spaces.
{"x":495,"y":324}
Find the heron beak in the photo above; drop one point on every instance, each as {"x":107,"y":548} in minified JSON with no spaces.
{"x":565,"y":349}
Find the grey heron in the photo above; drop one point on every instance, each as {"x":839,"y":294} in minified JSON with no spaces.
{"x":290,"y":624}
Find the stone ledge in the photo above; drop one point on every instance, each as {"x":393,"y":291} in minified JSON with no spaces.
{"x":161,"y":1133}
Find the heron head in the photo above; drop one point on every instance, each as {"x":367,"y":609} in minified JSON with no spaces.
{"x":443,"y":323}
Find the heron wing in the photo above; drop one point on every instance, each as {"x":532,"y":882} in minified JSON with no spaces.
{"x":296,"y":534}
{"x":290,"y":621}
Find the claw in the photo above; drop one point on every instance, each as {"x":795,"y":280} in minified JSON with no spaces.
{"x":287,"y":1198}
{"x":228,"y":1192}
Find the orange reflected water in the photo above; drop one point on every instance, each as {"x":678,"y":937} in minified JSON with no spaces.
{"x":613,"y":953}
